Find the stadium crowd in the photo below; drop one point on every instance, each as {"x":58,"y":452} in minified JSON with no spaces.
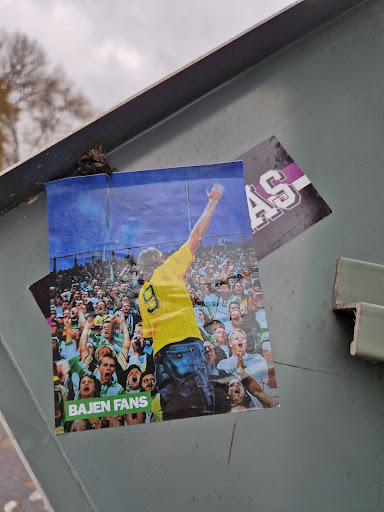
{"x":99,"y":350}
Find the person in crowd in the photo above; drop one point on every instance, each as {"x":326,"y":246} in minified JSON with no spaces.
{"x":237,"y":322}
{"x":261,"y":320}
{"x":83,"y":363}
{"x":89,"y":387}
{"x":112,"y":332}
{"x":202,"y":318}
{"x":249,"y":281}
{"x":131,"y":316}
{"x":241,"y":384}
{"x":204,"y":323}
{"x":134,"y":418}
{"x":86,"y":300}
{"x":56,"y":343}
{"x":60,"y":327}
{"x":74,"y":299}
{"x":220,"y":290}
{"x":106,"y":368}
{"x":221,"y":340}
{"x":92,"y":298}
{"x":133,"y":385}
{"x":64,"y":307}
{"x":148,"y":383}
{"x":234,"y":305}
{"x":102,"y":346}
{"x":60,"y":395}
{"x":224,"y":300}
{"x":219,"y":378}
{"x":78,"y":425}
{"x":112,"y":421}
{"x":139,"y":356}
{"x":133,"y":378}
{"x":211,"y":298}
{"x":109,"y":305}
{"x":168,"y":319}
{"x":114,"y":301}
{"x":255,"y":364}
{"x":217,"y":323}
{"x":101,"y":312}
{"x":238,"y":292}
{"x":134,"y":352}
{"x":192,"y":296}
{"x":199,"y":302}
{"x":70,"y":346}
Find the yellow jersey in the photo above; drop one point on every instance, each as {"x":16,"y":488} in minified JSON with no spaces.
{"x":165,"y":305}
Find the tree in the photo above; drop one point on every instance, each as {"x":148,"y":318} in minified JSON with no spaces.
{"x":7,"y":111}
{"x":37,"y":101}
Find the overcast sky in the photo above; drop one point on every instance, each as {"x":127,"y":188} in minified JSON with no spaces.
{"x":114,"y":49}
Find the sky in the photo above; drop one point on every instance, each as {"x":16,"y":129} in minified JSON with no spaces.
{"x":112,"y":50}
{"x":132,"y":210}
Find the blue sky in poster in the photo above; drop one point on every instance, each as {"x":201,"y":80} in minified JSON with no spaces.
{"x":145,"y":208}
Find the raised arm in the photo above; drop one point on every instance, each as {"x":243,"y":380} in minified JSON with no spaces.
{"x":82,"y":320}
{"x":72,"y":303}
{"x":64,"y":296}
{"x":117,"y":302}
{"x":68,"y":330}
{"x":254,"y":387}
{"x":229,"y":273}
{"x":208,"y":282}
{"x":126,"y":338}
{"x":201,"y":226}
{"x":84,"y":337}
{"x":111,"y":330}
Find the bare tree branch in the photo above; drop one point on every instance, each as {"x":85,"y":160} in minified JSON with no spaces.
{"x":40,"y":103}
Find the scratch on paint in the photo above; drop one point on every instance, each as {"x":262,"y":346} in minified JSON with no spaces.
{"x":32,"y":200}
{"x":304,"y":368}
{"x":230,"y":448}
{"x":379,"y":495}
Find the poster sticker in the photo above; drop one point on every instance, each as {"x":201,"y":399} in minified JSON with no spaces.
{"x":156,"y":307}
{"x":281,"y":199}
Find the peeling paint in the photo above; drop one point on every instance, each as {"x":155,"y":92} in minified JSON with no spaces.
{"x":230,"y":448}
{"x":32,"y":200}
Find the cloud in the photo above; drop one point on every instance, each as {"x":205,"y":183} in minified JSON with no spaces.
{"x":112,"y":52}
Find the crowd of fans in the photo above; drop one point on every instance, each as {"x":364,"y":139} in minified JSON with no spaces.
{"x":98,"y":347}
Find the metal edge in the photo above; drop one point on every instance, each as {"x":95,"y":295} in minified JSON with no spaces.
{"x":148,"y":108}
{"x":335,"y":290}
{"x":30,"y":401}
{"x":32,"y":476}
{"x":353,"y":348}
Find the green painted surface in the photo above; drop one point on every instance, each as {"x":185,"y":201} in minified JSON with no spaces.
{"x":370,"y":343}
{"x":360,"y":281}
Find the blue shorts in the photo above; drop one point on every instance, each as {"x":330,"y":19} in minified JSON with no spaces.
{"x":183,"y":380}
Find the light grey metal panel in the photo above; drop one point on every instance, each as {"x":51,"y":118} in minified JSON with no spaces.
{"x":25,"y":357}
{"x":323,"y":448}
{"x":36,"y":438}
{"x":24,"y":260}
{"x":320,"y":97}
